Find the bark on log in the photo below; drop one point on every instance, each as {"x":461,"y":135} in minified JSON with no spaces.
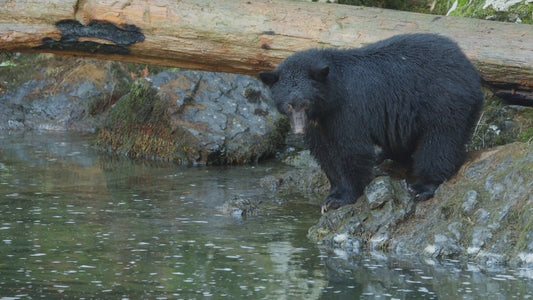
{"x":249,"y":36}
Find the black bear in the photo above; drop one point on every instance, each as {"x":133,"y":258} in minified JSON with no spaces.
{"x":415,"y":96}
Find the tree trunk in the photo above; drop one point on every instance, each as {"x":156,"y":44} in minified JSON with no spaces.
{"x":250,"y":36}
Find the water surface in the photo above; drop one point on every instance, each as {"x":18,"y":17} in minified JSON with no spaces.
{"x":79,"y":224}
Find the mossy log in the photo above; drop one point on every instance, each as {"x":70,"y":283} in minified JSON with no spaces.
{"x":250,"y":36}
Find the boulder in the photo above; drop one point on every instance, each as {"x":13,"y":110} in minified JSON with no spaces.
{"x":195,"y":117}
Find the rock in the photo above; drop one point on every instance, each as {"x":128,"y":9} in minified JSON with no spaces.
{"x":371,"y":226}
{"x":378,"y":192}
{"x":469,"y":202}
{"x":447,"y":248}
{"x":455,"y":229}
{"x":353,"y":245}
{"x":54,"y":94}
{"x":485,"y":213}
{"x":239,"y":207}
{"x":490,"y":259}
{"x":305,"y":181}
{"x":480,"y":235}
{"x":379,"y":241}
{"x":28,"y":107}
{"x":482,"y":217}
{"x":199,"y":118}
{"x":302,"y":159}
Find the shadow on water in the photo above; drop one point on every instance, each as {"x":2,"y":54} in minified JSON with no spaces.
{"x":79,"y":224}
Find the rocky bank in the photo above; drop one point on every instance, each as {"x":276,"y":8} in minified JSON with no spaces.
{"x":187,"y":117}
{"x":483,"y":214}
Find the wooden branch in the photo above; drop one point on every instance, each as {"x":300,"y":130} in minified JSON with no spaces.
{"x":248,"y":36}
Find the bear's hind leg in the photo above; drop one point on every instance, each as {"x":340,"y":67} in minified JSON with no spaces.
{"x":437,"y":158}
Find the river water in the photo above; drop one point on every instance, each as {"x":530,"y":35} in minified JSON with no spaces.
{"x":75,"y":224}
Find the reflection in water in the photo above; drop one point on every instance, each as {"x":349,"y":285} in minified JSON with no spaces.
{"x":75,"y":224}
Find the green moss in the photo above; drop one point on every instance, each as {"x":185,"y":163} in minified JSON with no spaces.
{"x":139,"y":126}
{"x":472,"y":9}
{"x":140,"y":106}
{"x":526,"y":136}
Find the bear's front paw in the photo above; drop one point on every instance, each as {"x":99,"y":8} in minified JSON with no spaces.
{"x":331,"y":203}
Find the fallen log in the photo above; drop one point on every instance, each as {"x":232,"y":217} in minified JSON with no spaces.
{"x":250,"y":36}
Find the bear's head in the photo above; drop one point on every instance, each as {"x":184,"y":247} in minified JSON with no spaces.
{"x":299,"y":86}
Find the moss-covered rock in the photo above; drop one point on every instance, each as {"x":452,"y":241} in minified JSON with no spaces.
{"x":139,"y":126}
{"x":195,"y":118}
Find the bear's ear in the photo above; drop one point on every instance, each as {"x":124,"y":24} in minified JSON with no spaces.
{"x":269,"y":78}
{"x":320,"y":73}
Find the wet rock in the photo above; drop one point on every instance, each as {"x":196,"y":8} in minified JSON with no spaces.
{"x":348,"y":243}
{"x":239,"y":207}
{"x":302,"y":159}
{"x":54,"y":93}
{"x":353,"y":245}
{"x":306,"y":181}
{"x":455,"y":229}
{"x":379,"y":241}
{"x":490,"y":258}
{"x":378,"y":192}
{"x":371,"y":226}
{"x":30,"y":107}
{"x":480,"y":236}
{"x":445,"y":247}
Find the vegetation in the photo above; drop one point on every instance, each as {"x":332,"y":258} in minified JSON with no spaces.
{"x":521,"y":12}
{"x":423,"y":6}
{"x":501,"y":124}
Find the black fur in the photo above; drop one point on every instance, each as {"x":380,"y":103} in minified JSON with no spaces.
{"x":415,"y":96}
